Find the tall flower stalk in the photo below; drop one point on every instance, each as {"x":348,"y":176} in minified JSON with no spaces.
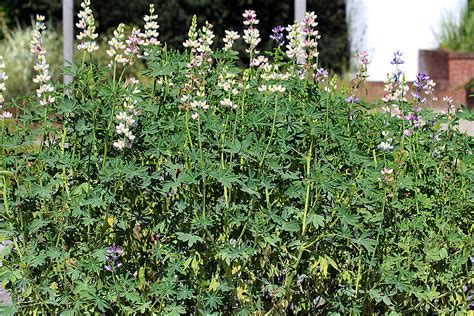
{"x":360,"y":77}
{"x":251,"y":34}
{"x":86,"y":24}
{"x":396,"y":87}
{"x":230,"y":38}
{"x":117,"y":47}
{"x":150,"y":35}
{"x":277,"y":35}
{"x":126,"y":121}
{"x":311,"y":38}
{"x":43,"y":77}
{"x":295,"y":49}
{"x":134,"y":43}
{"x":3,"y":88}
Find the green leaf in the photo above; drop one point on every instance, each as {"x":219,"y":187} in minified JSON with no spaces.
{"x":174,"y":310}
{"x":191,"y":239}
{"x":184,"y":293}
{"x":436,"y":254}
{"x":366,"y":242}
{"x":83,"y":188}
{"x":316,"y":220}
{"x":291,"y":226}
{"x":225,"y":177}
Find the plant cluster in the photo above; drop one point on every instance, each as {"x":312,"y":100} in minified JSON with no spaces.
{"x":216,"y":189}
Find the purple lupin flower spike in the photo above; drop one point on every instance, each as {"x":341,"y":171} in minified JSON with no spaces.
{"x":112,"y":254}
{"x":277,"y":35}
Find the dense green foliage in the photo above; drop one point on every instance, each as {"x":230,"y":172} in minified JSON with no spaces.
{"x":276,"y":205}
{"x":175,"y":16}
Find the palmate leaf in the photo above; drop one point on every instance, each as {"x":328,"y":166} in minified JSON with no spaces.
{"x":233,"y":147}
{"x":435,"y":253}
{"x":348,"y":219}
{"x":37,"y":224}
{"x":174,"y":310}
{"x":184,"y":293}
{"x":224,"y":176}
{"x":291,"y":226}
{"x":250,"y":190}
{"x":212,"y":300}
{"x":84,"y":290}
{"x":38,"y":260}
{"x":366,"y":242}
{"x":189,"y":238}
{"x":316,"y":220}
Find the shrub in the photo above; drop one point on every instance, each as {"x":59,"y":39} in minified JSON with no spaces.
{"x":222,"y":190}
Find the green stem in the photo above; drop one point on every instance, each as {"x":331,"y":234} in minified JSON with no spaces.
{"x":63,"y":143}
{"x":187,"y":129}
{"x":308,"y":188}
{"x":271,"y":134}
{"x":1,"y":142}
{"x":199,"y":138}
{"x":106,"y":144}
{"x":302,"y":247}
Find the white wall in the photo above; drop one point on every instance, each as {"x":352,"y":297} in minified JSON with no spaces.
{"x":384,"y":26}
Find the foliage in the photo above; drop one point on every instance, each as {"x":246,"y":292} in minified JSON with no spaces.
{"x":281,"y":203}
{"x":458,"y":35}
{"x":469,"y":86}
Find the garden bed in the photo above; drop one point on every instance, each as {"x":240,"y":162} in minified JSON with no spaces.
{"x":224,"y":190}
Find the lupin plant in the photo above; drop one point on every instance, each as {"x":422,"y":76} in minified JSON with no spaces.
{"x":205,"y":188}
{"x":86,"y":24}
{"x":150,"y":36}
{"x":43,"y":77}
{"x":396,"y":87}
{"x":295,"y":48}
{"x":117,"y":47}
{"x":3,"y":77}
{"x":361,"y":75}
{"x":134,"y":44}
{"x":311,"y":38}
{"x":277,"y":35}
{"x":230,"y":38}
{"x":251,"y":33}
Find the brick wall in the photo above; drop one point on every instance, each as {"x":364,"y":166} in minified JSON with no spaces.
{"x":461,"y":68}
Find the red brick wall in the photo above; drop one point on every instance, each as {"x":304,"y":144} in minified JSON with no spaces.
{"x":461,"y":68}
